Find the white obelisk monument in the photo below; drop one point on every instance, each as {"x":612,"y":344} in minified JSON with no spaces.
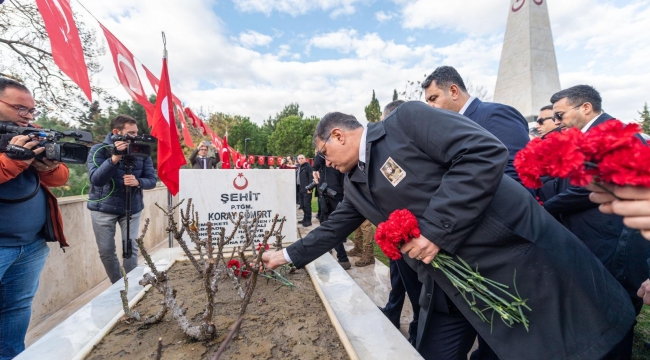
{"x":528,"y":73}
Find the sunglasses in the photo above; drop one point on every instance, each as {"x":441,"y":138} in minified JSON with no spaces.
{"x":541,"y":120}
{"x":558,"y":115}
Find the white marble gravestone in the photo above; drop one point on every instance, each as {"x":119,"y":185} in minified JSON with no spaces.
{"x":217,"y":193}
{"x":528,"y":73}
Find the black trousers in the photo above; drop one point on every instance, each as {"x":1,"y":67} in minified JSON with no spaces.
{"x":328,"y":205}
{"x":305,"y":204}
{"x":403,"y":280}
{"x":450,"y":337}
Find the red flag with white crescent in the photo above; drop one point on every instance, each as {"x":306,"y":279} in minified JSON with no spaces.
{"x":260,"y":160}
{"x":225,"y":156}
{"x":195,"y":119}
{"x":127,"y":73}
{"x":271,"y":161}
{"x":187,"y":138}
{"x":278,"y":160}
{"x":153,"y":80}
{"x":170,"y":155}
{"x":251,"y":159}
{"x":67,"y":51}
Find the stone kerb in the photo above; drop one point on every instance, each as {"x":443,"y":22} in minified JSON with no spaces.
{"x":217,"y":193}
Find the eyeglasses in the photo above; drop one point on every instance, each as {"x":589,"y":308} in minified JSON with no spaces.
{"x":559,"y":115}
{"x":23,"y":111}
{"x":320,"y":151}
{"x":541,"y":120}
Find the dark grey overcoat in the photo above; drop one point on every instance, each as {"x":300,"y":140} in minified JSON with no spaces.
{"x":455,"y":186}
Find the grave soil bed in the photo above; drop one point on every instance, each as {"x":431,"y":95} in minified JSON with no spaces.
{"x":280,"y":323}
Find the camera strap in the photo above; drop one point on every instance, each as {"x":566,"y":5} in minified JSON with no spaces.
{"x":26,"y":198}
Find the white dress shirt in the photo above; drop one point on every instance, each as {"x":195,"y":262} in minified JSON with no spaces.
{"x":586,"y":127}
{"x":469,"y":101}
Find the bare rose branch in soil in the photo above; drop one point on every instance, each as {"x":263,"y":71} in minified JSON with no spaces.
{"x":178,"y":234}
{"x":159,"y":350}
{"x":128,"y":313}
{"x":249,"y":291}
{"x":150,"y":320}
{"x":278,"y":235}
{"x":200,"y":332}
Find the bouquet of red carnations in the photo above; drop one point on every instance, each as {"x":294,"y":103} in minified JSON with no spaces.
{"x":610,"y":152}
{"x":482,"y":294}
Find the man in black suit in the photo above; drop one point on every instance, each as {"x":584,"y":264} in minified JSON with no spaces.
{"x":448,"y":172}
{"x":621,"y":249}
{"x":200,"y":159}
{"x":445,"y":89}
{"x":304,"y":177}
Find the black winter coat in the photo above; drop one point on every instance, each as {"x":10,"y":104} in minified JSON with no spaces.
{"x":107,"y":190}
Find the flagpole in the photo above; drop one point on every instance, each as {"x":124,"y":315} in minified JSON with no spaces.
{"x":170,"y":199}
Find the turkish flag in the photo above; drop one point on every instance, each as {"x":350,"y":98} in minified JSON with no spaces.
{"x":251,"y":159}
{"x":67,"y":52}
{"x":187,"y":138}
{"x":170,"y":155}
{"x":238,"y":161}
{"x":271,"y":160}
{"x":195,"y":119}
{"x":128,"y":75}
{"x":225,"y":156}
{"x":260,"y":160}
{"x":155,"y":83}
{"x":278,"y":160}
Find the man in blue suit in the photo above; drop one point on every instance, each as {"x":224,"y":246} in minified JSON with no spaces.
{"x":445,"y":89}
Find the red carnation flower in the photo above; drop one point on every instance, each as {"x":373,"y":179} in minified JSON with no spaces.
{"x":627,"y":166}
{"x":562,"y":155}
{"x":259,"y":246}
{"x":608,"y":137}
{"x":528,"y":166}
{"x":400,"y":228}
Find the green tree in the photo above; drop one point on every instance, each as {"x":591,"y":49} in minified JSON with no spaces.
{"x":394,"y":94}
{"x":645,"y":119}
{"x":293,"y":109}
{"x":293,"y":135}
{"x":373,"y":110}
{"x":247,"y":129}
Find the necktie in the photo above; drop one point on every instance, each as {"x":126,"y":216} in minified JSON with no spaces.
{"x":205,"y":163}
{"x":362,"y":166}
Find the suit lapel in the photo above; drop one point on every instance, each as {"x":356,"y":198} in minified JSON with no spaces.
{"x":601,"y":119}
{"x":472,"y":107}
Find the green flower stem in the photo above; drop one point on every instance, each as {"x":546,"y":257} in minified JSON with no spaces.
{"x":469,"y":281}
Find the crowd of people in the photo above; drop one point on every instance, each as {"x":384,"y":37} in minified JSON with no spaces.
{"x":580,"y":254}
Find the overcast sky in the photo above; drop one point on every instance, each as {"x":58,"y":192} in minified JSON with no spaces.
{"x":251,"y":57}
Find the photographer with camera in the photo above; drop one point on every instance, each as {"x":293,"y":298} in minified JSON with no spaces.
{"x":203,"y":161}
{"x":120,"y":168}
{"x":29,"y":216}
{"x":329,"y":184}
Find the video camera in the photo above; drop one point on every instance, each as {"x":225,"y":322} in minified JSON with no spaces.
{"x":67,"y":152}
{"x":134,"y":149}
{"x":322,"y":190}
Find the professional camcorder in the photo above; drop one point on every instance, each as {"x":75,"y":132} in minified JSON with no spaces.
{"x":67,"y":152}
{"x":322,"y":190}
{"x":135,"y":149}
